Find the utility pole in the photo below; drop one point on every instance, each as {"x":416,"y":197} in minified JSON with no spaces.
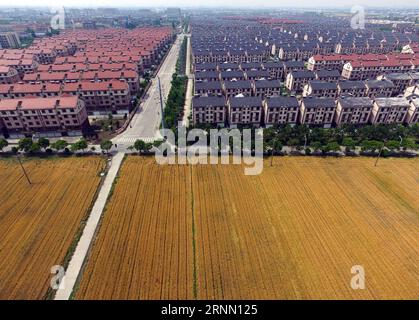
{"x":379,"y":153}
{"x":161,"y":103}
{"x":24,"y":171}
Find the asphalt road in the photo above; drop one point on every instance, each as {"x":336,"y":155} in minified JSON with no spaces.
{"x":146,"y":122}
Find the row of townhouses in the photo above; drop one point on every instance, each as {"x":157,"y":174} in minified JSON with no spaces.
{"x":128,"y":76}
{"x":314,"y":111}
{"x":212,"y":71}
{"x":57,"y":116}
{"x":99,"y":97}
{"x":260,"y":88}
{"x":390,"y":85}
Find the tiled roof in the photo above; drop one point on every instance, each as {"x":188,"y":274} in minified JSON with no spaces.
{"x":246,"y":101}
{"x":318,"y":102}
{"x":208,"y":101}
{"x":276,"y":102}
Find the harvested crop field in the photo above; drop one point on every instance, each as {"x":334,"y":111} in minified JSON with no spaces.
{"x":39,"y":222}
{"x":293,"y":232}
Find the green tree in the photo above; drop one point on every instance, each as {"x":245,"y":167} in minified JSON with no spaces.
{"x":25,"y":144}
{"x":35,"y":147}
{"x":393,"y":145}
{"x":139,"y":145}
{"x":293,"y":142}
{"x":142,"y":146}
{"x":371,"y":145}
{"x":106,"y":145}
{"x":3,"y":143}
{"x":409,"y":143}
{"x":43,"y":143}
{"x":79,"y":145}
{"x":82,"y":144}
{"x":277,"y":146}
{"x":349,"y":144}
{"x":332,"y":147}
{"x":74,"y":147}
{"x":274,"y":146}
{"x":316,"y":145}
{"x":59,"y":145}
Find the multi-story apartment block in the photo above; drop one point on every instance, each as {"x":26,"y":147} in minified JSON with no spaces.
{"x":257,"y":74}
{"x":228,"y":66}
{"x":248,"y":66}
{"x":359,"y":70}
{"x":81,"y":67}
{"x":327,"y":75}
{"x":400,"y":81}
{"x":353,"y":110}
{"x":237,"y":56}
{"x":209,"y":110}
{"x":412,"y":116}
{"x":389,"y":110}
{"x":317,"y":111}
{"x":129,"y":76}
{"x":205,"y":66}
{"x":245,"y":111}
{"x":232,"y":75}
{"x":379,"y":88}
{"x":327,"y":62}
{"x":275,"y":69}
{"x":18,"y":90}
{"x":240,"y":87}
{"x":101,"y":97}
{"x":362,"y":70}
{"x":207,"y":76}
{"x":208,"y":88}
{"x":321,"y":89}
{"x":281,"y":110}
{"x":267,"y":88}
{"x":290,"y":66}
{"x":296,"y":80}
{"x":22,"y":66}
{"x":8,"y":75}
{"x":297,"y":52}
{"x":45,"y":116}
{"x":9,"y":40}
{"x":412,"y":92}
{"x":352,"y":88}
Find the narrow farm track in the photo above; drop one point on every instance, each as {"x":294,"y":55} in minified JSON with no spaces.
{"x":38,"y":223}
{"x":293,"y":232}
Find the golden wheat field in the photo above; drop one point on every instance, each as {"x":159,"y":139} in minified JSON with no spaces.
{"x":293,"y":232}
{"x":39,"y":222}
{"x":144,"y":246}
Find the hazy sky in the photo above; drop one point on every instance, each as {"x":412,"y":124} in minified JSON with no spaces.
{"x":210,"y":3}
